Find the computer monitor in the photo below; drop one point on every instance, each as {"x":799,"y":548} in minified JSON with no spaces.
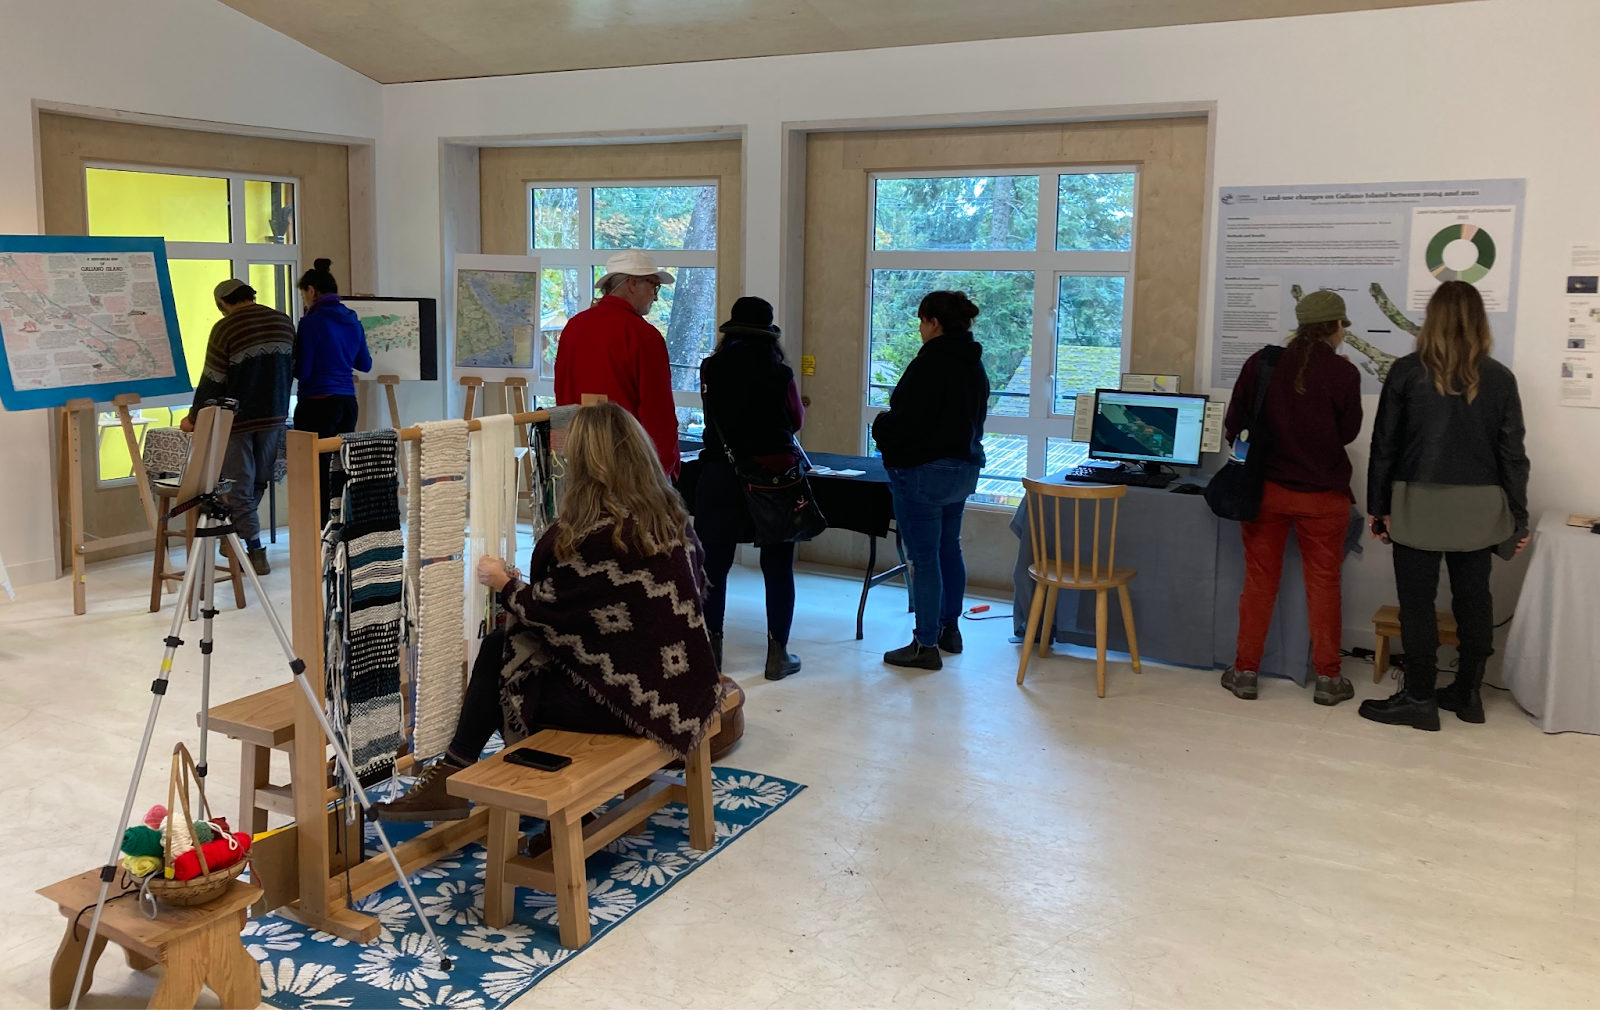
{"x":1148,"y":428}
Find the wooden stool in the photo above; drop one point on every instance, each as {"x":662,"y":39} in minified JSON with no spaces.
{"x":602,"y":767}
{"x":262,"y":722}
{"x":198,"y":944}
{"x":1386,"y":625}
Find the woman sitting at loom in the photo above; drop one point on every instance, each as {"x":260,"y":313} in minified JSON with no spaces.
{"x":606,"y":635}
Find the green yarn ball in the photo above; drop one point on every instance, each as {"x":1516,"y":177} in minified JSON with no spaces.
{"x":141,"y":840}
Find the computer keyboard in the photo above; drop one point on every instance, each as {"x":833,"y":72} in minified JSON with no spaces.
{"x":1112,"y":475}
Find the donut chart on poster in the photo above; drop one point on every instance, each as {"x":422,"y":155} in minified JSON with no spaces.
{"x":1457,"y":233}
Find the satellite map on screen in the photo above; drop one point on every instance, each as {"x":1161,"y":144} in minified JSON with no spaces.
{"x":1140,"y":431}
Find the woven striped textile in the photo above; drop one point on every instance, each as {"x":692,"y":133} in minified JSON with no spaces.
{"x":436,"y":541}
{"x":364,"y":683}
{"x":492,"y":508}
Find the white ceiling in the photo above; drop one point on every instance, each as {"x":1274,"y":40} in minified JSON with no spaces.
{"x":392,"y":41}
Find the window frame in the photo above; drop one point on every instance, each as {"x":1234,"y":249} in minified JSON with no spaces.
{"x":586,"y":257}
{"x":237,"y":251}
{"x":1045,"y":262}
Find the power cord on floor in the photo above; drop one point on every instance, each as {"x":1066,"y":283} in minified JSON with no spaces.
{"x":971,"y":613}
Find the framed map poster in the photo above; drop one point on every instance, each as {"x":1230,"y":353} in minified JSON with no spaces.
{"x":86,"y":317}
{"x":402,"y":335}
{"x":496,"y":312}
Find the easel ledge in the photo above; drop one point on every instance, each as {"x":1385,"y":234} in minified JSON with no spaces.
{"x":70,"y":477}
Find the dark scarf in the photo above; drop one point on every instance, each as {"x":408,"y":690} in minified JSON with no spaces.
{"x":627,"y":627}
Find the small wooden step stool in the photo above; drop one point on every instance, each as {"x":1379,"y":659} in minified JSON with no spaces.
{"x":262,"y":722}
{"x":1386,"y":625}
{"x":602,"y":767}
{"x":198,"y":944}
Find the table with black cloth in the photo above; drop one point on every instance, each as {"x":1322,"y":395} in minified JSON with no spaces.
{"x":861,"y":504}
{"x":1186,"y":595}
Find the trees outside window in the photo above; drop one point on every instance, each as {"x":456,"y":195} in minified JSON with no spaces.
{"x":1046,"y":257}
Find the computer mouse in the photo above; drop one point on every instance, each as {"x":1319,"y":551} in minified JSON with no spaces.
{"x":1187,"y":489}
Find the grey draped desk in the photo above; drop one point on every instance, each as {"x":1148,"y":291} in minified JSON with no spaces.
{"x":1186,"y":595}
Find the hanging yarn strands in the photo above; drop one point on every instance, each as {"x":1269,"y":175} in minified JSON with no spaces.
{"x":492,"y":511}
{"x":436,"y":535}
{"x":363,"y":579}
{"x":541,"y":491}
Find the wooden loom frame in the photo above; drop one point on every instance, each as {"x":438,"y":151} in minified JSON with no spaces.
{"x":322,"y":903}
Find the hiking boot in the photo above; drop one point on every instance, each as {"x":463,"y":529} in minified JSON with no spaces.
{"x":716,"y":649}
{"x":258,"y":561}
{"x":1463,"y":696}
{"x":950,"y":638}
{"x":1333,"y":690}
{"x":780,"y":661}
{"x":1402,"y":709}
{"x":1243,"y":683}
{"x":915,"y":656}
{"x":427,"y":799}
{"x":537,"y":843}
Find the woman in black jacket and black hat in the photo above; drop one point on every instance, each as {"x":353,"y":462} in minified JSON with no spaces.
{"x":1448,"y":478}
{"x":749,"y":397}
{"x":931,"y":438}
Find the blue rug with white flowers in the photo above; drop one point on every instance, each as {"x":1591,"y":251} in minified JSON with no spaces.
{"x":303,"y":968}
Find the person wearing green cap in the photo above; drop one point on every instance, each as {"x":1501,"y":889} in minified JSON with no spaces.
{"x":1311,"y":412}
{"x":249,"y":359}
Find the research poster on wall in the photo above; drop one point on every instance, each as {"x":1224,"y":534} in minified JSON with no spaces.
{"x":1580,"y":359}
{"x":1384,"y":247}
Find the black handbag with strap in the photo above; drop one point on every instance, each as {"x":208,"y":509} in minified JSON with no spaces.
{"x":782,"y":507}
{"x":1234,"y":492}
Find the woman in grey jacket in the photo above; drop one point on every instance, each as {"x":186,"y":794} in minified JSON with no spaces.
{"x":1447,"y":479}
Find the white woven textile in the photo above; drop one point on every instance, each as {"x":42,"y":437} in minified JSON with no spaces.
{"x":492,"y":511}
{"x":436,"y":542}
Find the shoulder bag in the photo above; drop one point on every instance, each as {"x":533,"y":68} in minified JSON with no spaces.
{"x":782,"y":508}
{"x":1235,"y":491}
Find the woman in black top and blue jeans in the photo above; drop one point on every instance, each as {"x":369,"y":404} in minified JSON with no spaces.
{"x":749,"y":396}
{"x":931,"y":438}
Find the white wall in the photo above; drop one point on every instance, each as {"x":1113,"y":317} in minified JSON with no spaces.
{"x":1495,"y":89}
{"x":195,"y":59}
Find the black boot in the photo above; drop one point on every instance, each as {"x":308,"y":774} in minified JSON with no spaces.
{"x":1403,"y":709}
{"x":915,"y":656}
{"x":1463,"y":697}
{"x":716,"y":649}
{"x":950,"y":637}
{"x":780,"y":661}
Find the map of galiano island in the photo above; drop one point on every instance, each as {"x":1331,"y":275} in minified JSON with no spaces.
{"x":75,"y":319}
{"x":1141,"y":431}
{"x":497,"y":317}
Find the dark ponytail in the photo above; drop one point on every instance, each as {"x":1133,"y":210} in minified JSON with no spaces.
{"x":318,"y":279}
{"x":953,"y":310}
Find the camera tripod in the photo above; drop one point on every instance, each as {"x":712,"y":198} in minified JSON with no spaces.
{"x":213,"y":524}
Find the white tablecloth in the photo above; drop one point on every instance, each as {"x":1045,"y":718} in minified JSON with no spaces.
{"x":1552,"y":663}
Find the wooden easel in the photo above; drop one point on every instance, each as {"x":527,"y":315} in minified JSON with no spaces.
{"x":389,"y":382}
{"x":473,"y":384}
{"x":323,"y":903}
{"x":70,"y":488}
{"x":517,"y":403}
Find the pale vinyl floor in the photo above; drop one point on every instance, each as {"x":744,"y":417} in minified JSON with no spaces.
{"x":962,"y":841}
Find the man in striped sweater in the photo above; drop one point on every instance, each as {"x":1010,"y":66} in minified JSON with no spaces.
{"x":250,"y":359}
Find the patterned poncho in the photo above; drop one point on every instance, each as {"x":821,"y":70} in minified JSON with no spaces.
{"x":627,"y":627}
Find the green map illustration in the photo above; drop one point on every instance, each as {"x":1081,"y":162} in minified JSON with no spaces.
{"x":497,"y":317}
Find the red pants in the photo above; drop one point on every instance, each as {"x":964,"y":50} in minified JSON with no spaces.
{"x":1320,"y":520}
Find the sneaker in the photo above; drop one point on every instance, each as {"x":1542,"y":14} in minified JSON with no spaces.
{"x":915,"y":656}
{"x":780,"y":661}
{"x":427,"y":799}
{"x":1241,"y":682}
{"x":1401,"y":709}
{"x":1333,"y":690}
{"x":950,"y":638}
{"x":258,"y":561}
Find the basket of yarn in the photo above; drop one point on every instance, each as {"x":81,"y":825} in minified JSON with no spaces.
{"x":184,"y":861}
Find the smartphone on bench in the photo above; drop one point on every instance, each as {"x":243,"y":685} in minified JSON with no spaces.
{"x":542,"y":760}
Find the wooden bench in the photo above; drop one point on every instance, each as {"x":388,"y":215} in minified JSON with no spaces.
{"x":198,"y":944}
{"x":262,"y":722}
{"x":603,"y":767}
{"x":1386,"y":625}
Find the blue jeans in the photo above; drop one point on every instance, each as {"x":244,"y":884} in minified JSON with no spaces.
{"x":928,"y":503}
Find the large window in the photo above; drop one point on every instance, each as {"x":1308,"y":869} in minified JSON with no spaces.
{"x":217,"y":225}
{"x":1046,"y":257}
{"x":576,"y":227}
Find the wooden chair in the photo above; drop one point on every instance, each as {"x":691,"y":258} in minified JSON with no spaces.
{"x":1051,"y":570}
{"x":1386,"y":625}
{"x":170,"y":492}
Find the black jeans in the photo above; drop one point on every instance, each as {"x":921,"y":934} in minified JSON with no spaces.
{"x":558,"y":704}
{"x":777,"y":570}
{"x":1416,"y":576}
{"x":327,"y":416}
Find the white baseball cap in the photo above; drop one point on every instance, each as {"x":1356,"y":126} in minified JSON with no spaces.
{"x":633,"y":263}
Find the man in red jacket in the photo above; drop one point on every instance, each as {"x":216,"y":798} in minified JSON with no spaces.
{"x":609,"y":348}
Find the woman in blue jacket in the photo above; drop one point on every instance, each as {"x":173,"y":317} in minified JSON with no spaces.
{"x":329,"y":345}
